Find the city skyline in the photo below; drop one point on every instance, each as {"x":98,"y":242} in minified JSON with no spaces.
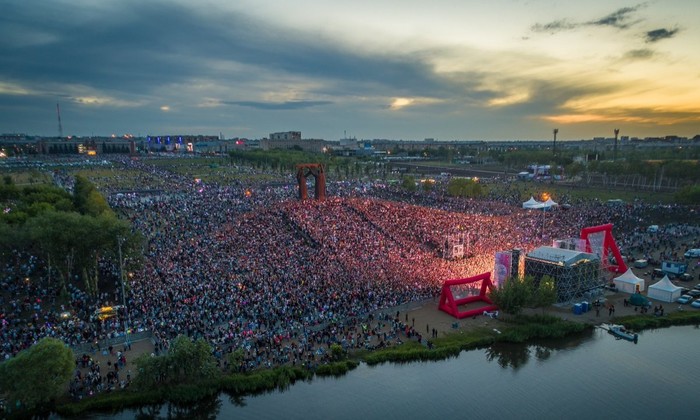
{"x":448,"y":70}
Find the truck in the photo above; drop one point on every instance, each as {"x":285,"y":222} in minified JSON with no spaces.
{"x":673,"y":268}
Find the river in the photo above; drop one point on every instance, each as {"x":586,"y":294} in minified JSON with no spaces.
{"x":588,"y":376}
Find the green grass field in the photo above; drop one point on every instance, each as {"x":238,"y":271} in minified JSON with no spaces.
{"x":28,"y":177}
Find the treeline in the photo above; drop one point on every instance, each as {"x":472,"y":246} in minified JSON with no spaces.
{"x":70,"y":233}
{"x":189,"y":372}
{"x":683,"y":167}
{"x":285,"y":161}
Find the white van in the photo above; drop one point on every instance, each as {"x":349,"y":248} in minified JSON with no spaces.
{"x":653,"y":229}
{"x":692,"y":253}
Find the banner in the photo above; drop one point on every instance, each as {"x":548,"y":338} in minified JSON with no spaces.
{"x":501,"y":270}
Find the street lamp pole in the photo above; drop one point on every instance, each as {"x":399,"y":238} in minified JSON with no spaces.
{"x":120,"y":240}
{"x":543,"y":216}
{"x":545,"y":197}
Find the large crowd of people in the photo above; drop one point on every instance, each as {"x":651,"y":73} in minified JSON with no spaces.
{"x":249,"y":266}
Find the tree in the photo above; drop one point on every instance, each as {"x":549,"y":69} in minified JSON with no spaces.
{"x":81,"y":191}
{"x":37,"y":375}
{"x":235,"y":359}
{"x":192,"y":360}
{"x":688,"y":195}
{"x":514,"y":295}
{"x":519,"y":293}
{"x":463,"y":187}
{"x":409,"y":183}
{"x":95,"y":204}
{"x":545,"y":294}
{"x":8,"y":189}
{"x":187,"y":361}
{"x":337,"y":351}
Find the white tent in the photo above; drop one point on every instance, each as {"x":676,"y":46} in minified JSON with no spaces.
{"x":550,"y":203}
{"x":532,"y":204}
{"x":664,"y":291}
{"x":628,"y":282}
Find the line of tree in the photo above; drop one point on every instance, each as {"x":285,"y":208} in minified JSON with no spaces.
{"x":674,"y":165}
{"x":70,"y":232}
{"x":284,"y":162}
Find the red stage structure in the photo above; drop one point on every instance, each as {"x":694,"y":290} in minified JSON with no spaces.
{"x":599,"y":240}
{"x":315,"y":169}
{"x":449,"y":304}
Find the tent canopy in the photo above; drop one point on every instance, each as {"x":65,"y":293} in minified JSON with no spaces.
{"x":627,"y":282}
{"x":664,"y":290}
{"x":533,"y":204}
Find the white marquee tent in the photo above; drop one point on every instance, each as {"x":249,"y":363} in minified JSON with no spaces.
{"x":664,"y":291}
{"x":533,"y":204}
{"x":550,"y":203}
{"x":628,"y":282}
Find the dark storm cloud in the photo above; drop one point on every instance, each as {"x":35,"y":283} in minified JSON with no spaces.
{"x":659,"y":34}
{"x":137,"y":48}
{"x":620,"y":19}
{"x":278,"y":105}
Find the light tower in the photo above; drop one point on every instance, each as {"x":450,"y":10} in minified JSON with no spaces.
{"x":617,"y":131}
{"x":554,"y":144}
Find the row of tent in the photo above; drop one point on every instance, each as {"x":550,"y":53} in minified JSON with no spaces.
{"x":663,"y":290}
{"x":534,"y":204}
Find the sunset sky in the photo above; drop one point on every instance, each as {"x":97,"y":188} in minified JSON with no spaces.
{"x":392,"y":69}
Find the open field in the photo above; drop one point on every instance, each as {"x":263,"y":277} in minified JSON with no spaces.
{"x":23,"y":177}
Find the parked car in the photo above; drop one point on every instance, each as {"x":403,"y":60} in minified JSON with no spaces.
{"x":692,"y":253}
{"x":685,"y":277}
{"x":641,"y":263}
{"x":684,"y":299}
{"x":696,"y":304}
{"x":697,"y":286}
{"x":694,"y":293}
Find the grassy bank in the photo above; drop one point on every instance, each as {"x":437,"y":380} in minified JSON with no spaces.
{"x":647,"y":322}
{"x":235,"y":384}
{"x":513,"y":330}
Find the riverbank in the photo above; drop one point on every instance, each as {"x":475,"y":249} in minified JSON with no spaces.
{"x":451,"y":337}
{"x":518,"y":329}
{"x":473,"y":333}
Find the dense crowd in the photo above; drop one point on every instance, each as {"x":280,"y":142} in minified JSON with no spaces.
{"x":251,"y":267}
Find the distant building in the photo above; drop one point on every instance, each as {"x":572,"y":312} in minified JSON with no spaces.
{"x":183,"y":143}
{"x":286,"y":135}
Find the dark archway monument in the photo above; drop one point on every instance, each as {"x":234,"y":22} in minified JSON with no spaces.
{"x":316,"y":170}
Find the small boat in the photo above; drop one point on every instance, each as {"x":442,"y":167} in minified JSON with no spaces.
{"x":620,"y":332}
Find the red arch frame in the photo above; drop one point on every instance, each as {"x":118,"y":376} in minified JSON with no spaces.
{"x":449,"y":304}
{"x":608,"y":243}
